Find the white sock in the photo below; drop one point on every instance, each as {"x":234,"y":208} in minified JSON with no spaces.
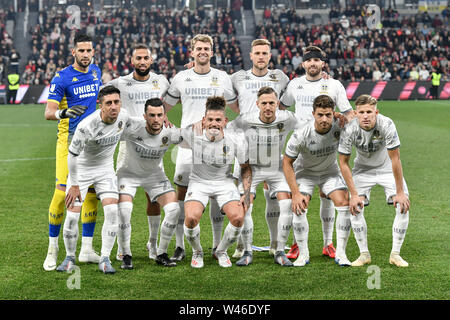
{"x":343,"y":228}
{"x":359,"y":227}
{"x":168,"y":226}
{"x":284,"y":223}
{"x":193,"y":237}
{"x":216,"y":221}
{"x":53,"y":242}
{"x":179,"y":231}
{"x":399,"y":229}
{"x":110,"y":228}
{"x":70,"y":232}
{"x":327,"y":216}
{"x":153,"y":228}
{"x":247,"y":230}
{"x":300,"y":226}
{"x":124,"y":233}
{"x":86,"y":244}
{"x":230,"y":235}
{"x":272,"y":215}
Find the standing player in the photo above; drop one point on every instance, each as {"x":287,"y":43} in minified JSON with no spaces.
{"x":192,"y":87}
{"x":136,"y":88}
{"x":315,"y":146}
{"x":377,"y":162}
{"x":72,"y":97}
{"x":214,"y":152}
{"x":266,"y":132}
{"x":91,"y":162}
{"x":301,"y":92}
{"x":146,"y":143}
{"x":246,"y":84}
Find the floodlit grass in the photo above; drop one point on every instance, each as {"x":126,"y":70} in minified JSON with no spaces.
{"x":27,"y":181}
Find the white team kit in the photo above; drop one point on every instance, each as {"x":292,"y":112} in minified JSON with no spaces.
{"x":372,"y":164}
{"x":315,"y":154}
{"x":247,"y":85}
{"x":133,"y":94}
{"x":94,"y":144}
{"x":143,"y":161}
{"x":265,"y":143}
{"x":211,"y":169}
{"x":302,"y":92}
{"x":193,"y":89}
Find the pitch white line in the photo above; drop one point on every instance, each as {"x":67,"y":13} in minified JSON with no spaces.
{"x":26,"y":125}
{"x":27,"y":159}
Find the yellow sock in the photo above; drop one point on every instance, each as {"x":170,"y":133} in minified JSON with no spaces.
{"x":56,"y":213}
{"x":89,"y":214}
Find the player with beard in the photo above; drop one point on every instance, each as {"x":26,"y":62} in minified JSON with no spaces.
{"x":246,"y":84}
{"x":136,"y":88}
{"x":72,"y":97}
{"x":301,"y":93}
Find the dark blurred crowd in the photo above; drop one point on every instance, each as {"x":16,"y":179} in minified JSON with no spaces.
{"x":400,"y":48}
{"x":115,"y":31}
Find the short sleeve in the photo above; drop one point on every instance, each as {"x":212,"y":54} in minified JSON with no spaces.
{"x":287,"y":98}
{"x":57,"y":89}
{"x":293,"y":145}
{"x":341,"y":99}
{"x":78,"y":141}
{"x":345,"y":141}
{"x":173,"y":93}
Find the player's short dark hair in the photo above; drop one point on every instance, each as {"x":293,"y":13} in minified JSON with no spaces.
{"x":81,"y":37}
{"x":266,"y":90}
{"x":215,"y":103}
{"x":313,"y":51}
{"x":107,"y":91}
{"x":323,"y":101}
{"x":153,"y":102}
{"x":140,"y":46}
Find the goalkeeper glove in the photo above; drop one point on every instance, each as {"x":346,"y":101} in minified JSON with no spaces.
{"x":72,"y":112}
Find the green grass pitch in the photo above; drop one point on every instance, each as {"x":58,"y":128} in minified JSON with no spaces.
{"x":27,"y":163}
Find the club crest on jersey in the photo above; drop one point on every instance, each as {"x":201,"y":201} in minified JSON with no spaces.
{"x":225,"y":150}
{"x":273,"y":77}
{"x":180,"y":178}
{"x":214,"y":81}
{"x":94,"y":74}
{"x":337,"y":134}
{"x":376,"y":135}
{"x":120,"y":125}
{"x":164,"y":140}
{"x":122,"y":187}
{"x":324,"y":88}
{"x":280,"y":127}
{"x":155,"y":84}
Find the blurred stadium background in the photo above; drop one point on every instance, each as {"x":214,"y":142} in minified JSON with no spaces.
{"x":389,"y":53}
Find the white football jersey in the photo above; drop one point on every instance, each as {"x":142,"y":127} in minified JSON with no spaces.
{"x":302,"y":92}
{"x":265,"y":140}
{"x":134,"y":93}
{"x":212,"y":161}
{"x":193,"y":89}
{"x":247,"y":85}
{"x":315,"y":153}
{"x":144,"y":151}
{"x":371,"y":146}
{"x":95,"y":141}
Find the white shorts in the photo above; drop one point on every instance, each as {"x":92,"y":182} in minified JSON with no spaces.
{"x":222,"y":191}
{"x":155,"y":184}
{"x":327,"y":183}
{"x":183,"y":167}
{"x":104,"y":182}
{"x":364,"y":182}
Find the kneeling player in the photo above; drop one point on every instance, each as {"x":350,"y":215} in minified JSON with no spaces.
{"x":377,"y":162}
{"x":91,"y":162}
{"x":214,"y":152}
{"x":146,"y":143}
{"x":314,"y":147}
